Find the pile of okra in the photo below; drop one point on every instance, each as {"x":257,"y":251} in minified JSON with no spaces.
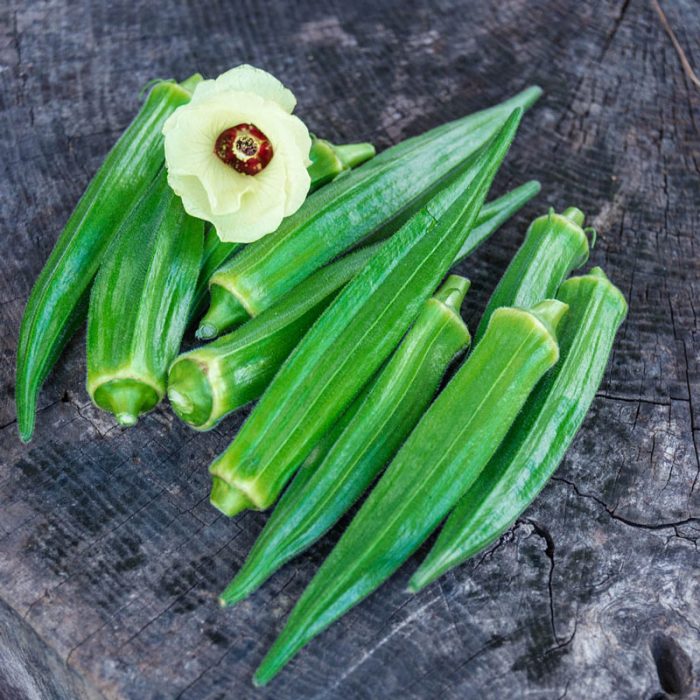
{"x":344,"y":325}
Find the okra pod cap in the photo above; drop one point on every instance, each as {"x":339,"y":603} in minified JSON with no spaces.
{"x":554,"y":245}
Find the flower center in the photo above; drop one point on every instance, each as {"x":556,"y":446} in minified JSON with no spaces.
{"x":245,"y":148}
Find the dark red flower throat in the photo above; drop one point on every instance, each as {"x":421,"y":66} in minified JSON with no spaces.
{"x":245,"y":148}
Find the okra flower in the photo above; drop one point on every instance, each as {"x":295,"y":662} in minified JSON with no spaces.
{"x":236,"y":154}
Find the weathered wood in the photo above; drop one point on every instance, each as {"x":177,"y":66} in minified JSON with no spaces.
{"x":111,"y":554}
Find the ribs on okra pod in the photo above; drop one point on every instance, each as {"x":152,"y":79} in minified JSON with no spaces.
{"x":207,"y":383}
{"x":382,"y":194}
{"x":544,"y":430}
{"x":467,"y":421}
{"x":393,"y":405}
{"x":351,"y":339}
{"x":58,"y":302}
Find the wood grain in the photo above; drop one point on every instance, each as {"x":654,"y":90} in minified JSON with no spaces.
{"x":111,"y":557}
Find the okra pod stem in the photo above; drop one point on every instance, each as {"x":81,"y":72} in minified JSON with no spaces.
{"x":555,"y":244}
{"x":391,"y":186}
{"x":440,"y":460}
{"x":207,"y":383}
{"x":353,"y":337}
{"x":327,"y":162}
{"x":544,"y":430}
{"x":58,"y":301}
{"x":140,"y":303}
{"x":315,"y":501}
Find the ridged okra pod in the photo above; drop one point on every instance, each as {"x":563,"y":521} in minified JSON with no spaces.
{"x":353,"y":337}
{"x":58,"y":301}
{"x":554,"y":245}
{"x":140,"y":302}
{"x":221,"y":491}
{"x":544,"y":430}
{"x":314,"y":502}
{"x":392,"y":185}
{"x":440,"y":460}
{"x":207,"y":383}
{"x":328,"y":161}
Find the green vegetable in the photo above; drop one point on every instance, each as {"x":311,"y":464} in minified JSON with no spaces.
{"x":391,"y":409}
{"x":216,"y":253}
{"x":388,"y":188}
{"x":59,"y":298}
{"x":221,"y":491}
{"x":554,"y":245}
{"x":440,"y":460}
{"x":140,"y":302}
{"x":352,"y":338}
{"x":537,"y":441}
{"x":327,"y":162}
{"x":207,"y":383}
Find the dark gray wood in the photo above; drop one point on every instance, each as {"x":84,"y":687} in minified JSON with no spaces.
{"x":111,"y":555}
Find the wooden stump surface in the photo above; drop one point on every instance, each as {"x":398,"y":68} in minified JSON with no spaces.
{"x":110,"y":555}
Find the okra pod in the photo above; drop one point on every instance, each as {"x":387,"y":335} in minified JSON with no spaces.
{"x":314,"y":503}
{"x":555,"y":244}
{"x":544,"y":430}
{"x":207,"y":383}
{"x":58,"y":301}
{"x":392,"y":185}
{"x":140,"y":302}
{"x":327,"y":162}
{"x":353,"y":337}
{"x":440,"y":460}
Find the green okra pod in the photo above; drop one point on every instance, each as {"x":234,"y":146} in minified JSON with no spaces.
{"x":58,"y":301}
{"x":440,"y":460}
{"x":396,"y":400}
{"x":393,"y":185}
{"x":327,"y":162}
{"x":353,"y":337}
{"x":207,"y":383}
{"x":540,"y":436}
{"x":554,"y":245}
{"x":140,"y":303}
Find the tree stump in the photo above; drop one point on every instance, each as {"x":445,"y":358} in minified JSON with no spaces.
{"x":111,"y":555}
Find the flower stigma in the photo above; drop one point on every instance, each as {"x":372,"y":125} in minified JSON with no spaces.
{"x":245,"y":148}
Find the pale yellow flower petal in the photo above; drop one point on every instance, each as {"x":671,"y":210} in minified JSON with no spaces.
{"x":241,"y":207}
{"x":246,"y":78}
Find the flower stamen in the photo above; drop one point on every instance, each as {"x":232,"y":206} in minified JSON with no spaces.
{"x":245,"y":148}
